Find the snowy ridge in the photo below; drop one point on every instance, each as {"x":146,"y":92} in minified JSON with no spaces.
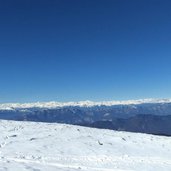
{"x":52,"y":105}
{"x":27,"y":146}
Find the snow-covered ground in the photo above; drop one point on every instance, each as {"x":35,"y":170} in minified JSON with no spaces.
{"x":58,"y":147}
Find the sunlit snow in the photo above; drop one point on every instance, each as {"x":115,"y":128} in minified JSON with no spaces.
{"x":27,"y":146}
{"x":50,"y":105}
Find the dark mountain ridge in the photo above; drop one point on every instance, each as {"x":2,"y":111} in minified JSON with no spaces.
{"x":147,"y":118}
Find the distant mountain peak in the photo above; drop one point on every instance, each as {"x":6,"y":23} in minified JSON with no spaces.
{"x":87,"y":103}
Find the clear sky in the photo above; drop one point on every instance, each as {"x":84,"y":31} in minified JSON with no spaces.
{"x":71,"y":50}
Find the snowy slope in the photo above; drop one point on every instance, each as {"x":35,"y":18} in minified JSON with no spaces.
{"x":58,"y":147}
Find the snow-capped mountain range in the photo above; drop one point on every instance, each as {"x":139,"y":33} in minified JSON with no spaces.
{"x":146,"y":115}
{"x":87,"y":103}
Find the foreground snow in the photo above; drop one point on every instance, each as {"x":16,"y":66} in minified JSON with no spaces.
{"x":57,"y":147}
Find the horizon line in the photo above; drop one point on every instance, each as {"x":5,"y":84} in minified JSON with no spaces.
{"x":85,"y":103}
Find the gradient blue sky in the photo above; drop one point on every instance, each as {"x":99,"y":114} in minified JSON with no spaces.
{"x":71,"y":50}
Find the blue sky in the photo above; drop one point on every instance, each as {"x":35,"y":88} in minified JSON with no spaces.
{"x":75,"y":50}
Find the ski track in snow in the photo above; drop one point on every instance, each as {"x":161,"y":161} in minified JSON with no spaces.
{"x":27,"y":146}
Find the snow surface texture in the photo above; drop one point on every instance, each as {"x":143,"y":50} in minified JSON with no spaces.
{"x":52,"y":105}
{"x":27,"y":146}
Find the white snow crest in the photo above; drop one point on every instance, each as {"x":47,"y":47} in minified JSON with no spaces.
{"x":53,"y":104}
